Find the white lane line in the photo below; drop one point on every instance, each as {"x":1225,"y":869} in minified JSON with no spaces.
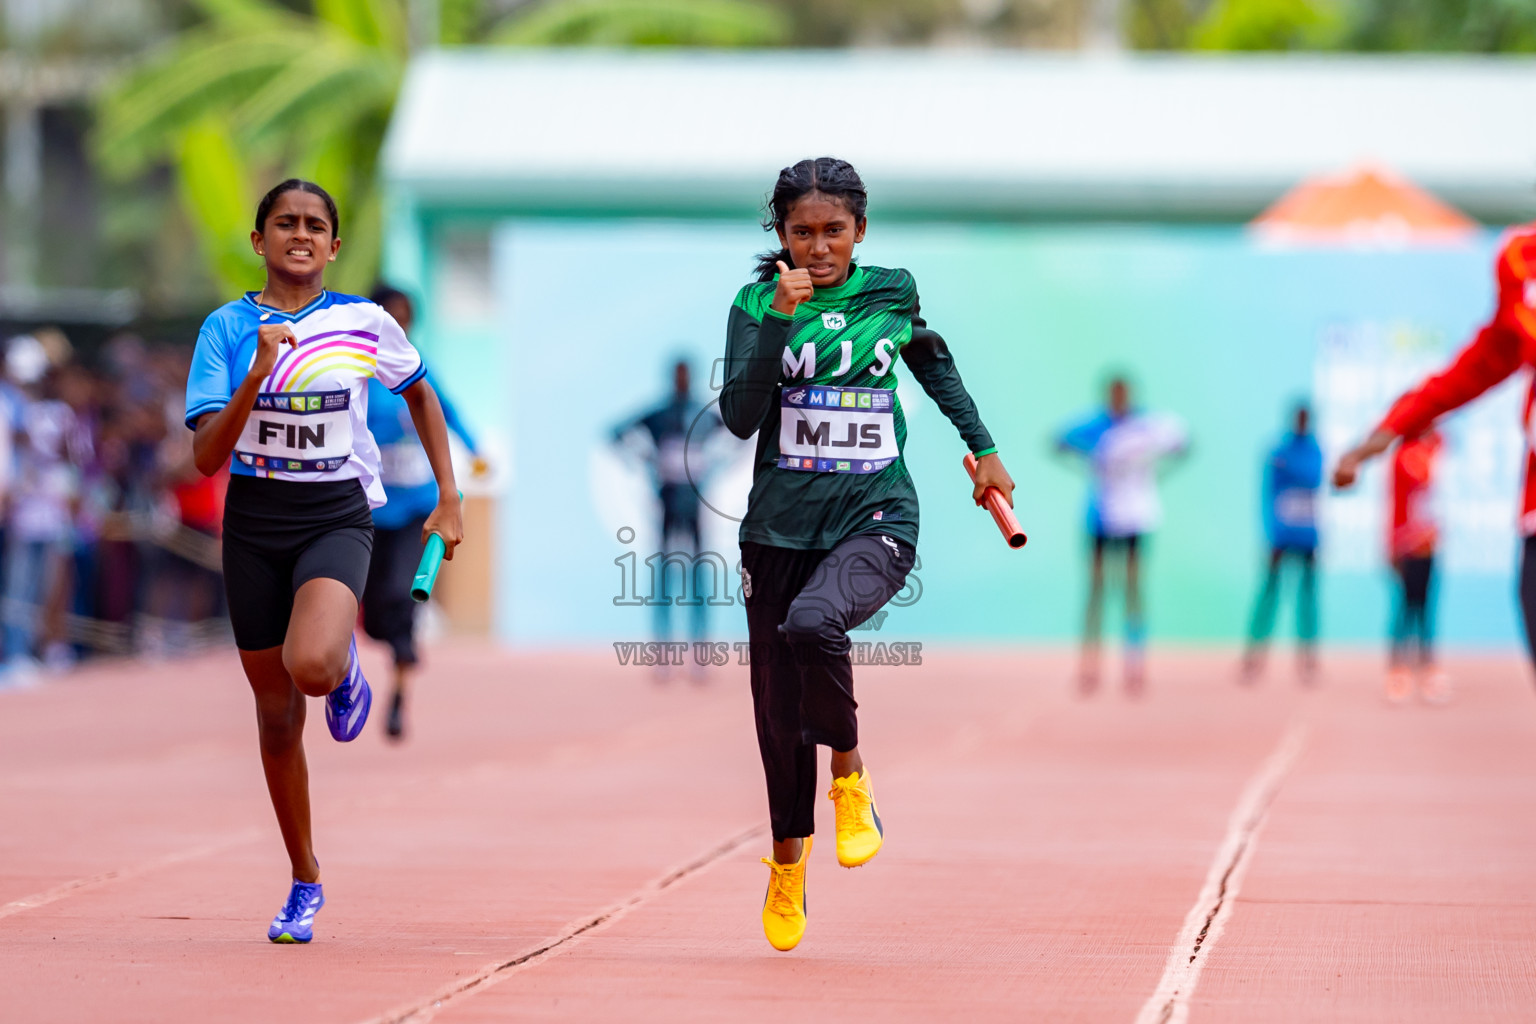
{"x":78,"y":885}
{"x":1169,"y":1004}
{"x":423,"y":1010}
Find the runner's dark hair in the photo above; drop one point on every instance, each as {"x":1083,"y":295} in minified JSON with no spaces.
{"x":264,"y":208}
{"x":833,"y":178}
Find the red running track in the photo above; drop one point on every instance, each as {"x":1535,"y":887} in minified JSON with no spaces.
{"x":563,"y":839}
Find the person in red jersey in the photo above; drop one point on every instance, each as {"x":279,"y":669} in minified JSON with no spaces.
{"x":1411,"y":546}
{"x":1503,"y":345}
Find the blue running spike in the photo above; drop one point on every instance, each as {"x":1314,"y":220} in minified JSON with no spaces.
{"x":296,"y":921}
{"x":346,"y":707}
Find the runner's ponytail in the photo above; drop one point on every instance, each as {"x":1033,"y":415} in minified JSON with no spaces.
{"x":768,"y":264}
{"x":833,"y":178}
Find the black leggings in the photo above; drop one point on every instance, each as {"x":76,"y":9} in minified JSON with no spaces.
{"x":800,"y":606}
{"x":1528,"y":592}
{"x":1413,"y":624}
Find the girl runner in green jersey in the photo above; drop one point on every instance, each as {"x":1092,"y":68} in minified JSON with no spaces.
{"x":831,"y":526}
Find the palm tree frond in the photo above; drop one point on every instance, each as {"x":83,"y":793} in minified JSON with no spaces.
{"x":244,"y":13}
{"x":140,"y":118}
{"x":459,"y":21}
{"x":380,"y":23}
{"x":357,"y":267}
{"x":353,"y":79}
{"x":215,"y":188}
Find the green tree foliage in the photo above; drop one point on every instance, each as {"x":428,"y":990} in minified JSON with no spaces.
{"x":259,"y":90}
{"x":1423,"y":26}
{"x":1159,"y":24}
{"x":1270,"y":25}
{"x":254,"y":90}
{"x":712,"y":23}
{"x":1468,"y":26}
{"x":254,"y":93}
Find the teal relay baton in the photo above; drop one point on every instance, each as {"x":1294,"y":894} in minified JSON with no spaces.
{"x":426,"y":569}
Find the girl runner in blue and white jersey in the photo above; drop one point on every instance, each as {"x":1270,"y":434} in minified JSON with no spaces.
{"x":278,"y":390}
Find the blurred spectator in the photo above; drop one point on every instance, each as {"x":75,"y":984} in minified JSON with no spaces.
{"x":133,"y":425}
{"x":109,"y":536}
{"x":70,"y":596}
{"x":1292,"y":475}
{"x":671,"y":438}
{"x":1123,"y":447}
{"x":1411,"y":544}
{"x":48,"y":451}
{"x":184,"y":586}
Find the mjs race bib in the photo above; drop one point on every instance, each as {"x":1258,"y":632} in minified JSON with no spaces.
{"x":298,"y":433}
{"x":837,"y":430}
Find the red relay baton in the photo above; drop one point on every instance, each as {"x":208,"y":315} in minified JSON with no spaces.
{"x":1002,"y":515}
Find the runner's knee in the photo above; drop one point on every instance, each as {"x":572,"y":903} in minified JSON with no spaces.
{"x":314,"y":672}
{"x":813,"y":624}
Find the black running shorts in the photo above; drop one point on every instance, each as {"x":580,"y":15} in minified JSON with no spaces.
{"x":279,"y":535}
{"x":1127,"y":542}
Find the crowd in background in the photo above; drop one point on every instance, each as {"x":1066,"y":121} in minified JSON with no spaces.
{"x":110,"y":534}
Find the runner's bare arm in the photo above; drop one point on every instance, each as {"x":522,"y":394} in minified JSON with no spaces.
{"x":447,"y":520}
{"x":1348,"y":469}
{"x":218,"y":432}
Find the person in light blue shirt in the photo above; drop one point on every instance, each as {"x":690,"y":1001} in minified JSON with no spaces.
{"x":389,"y":613}
{"x":1293,"y":473}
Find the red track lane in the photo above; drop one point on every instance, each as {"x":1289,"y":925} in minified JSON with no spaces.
{"x":563,"y":839}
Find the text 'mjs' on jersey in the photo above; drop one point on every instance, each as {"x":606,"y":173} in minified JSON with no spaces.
{"x":820,"y":390}
{"x":310,"y":421}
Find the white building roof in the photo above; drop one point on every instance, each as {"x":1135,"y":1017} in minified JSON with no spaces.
{"x":956,"y":133}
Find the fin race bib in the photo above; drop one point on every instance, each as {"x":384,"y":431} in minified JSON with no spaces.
{"x":301,"y":432}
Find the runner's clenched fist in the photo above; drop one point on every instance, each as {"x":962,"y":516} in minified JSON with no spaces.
{"x":794,"y":288}
{"x":270,"y":339}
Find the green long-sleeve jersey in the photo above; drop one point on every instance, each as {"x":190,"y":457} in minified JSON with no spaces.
{"x":819,"y":389}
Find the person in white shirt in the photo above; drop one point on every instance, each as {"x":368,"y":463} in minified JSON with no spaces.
{"x":1123,"y":447}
